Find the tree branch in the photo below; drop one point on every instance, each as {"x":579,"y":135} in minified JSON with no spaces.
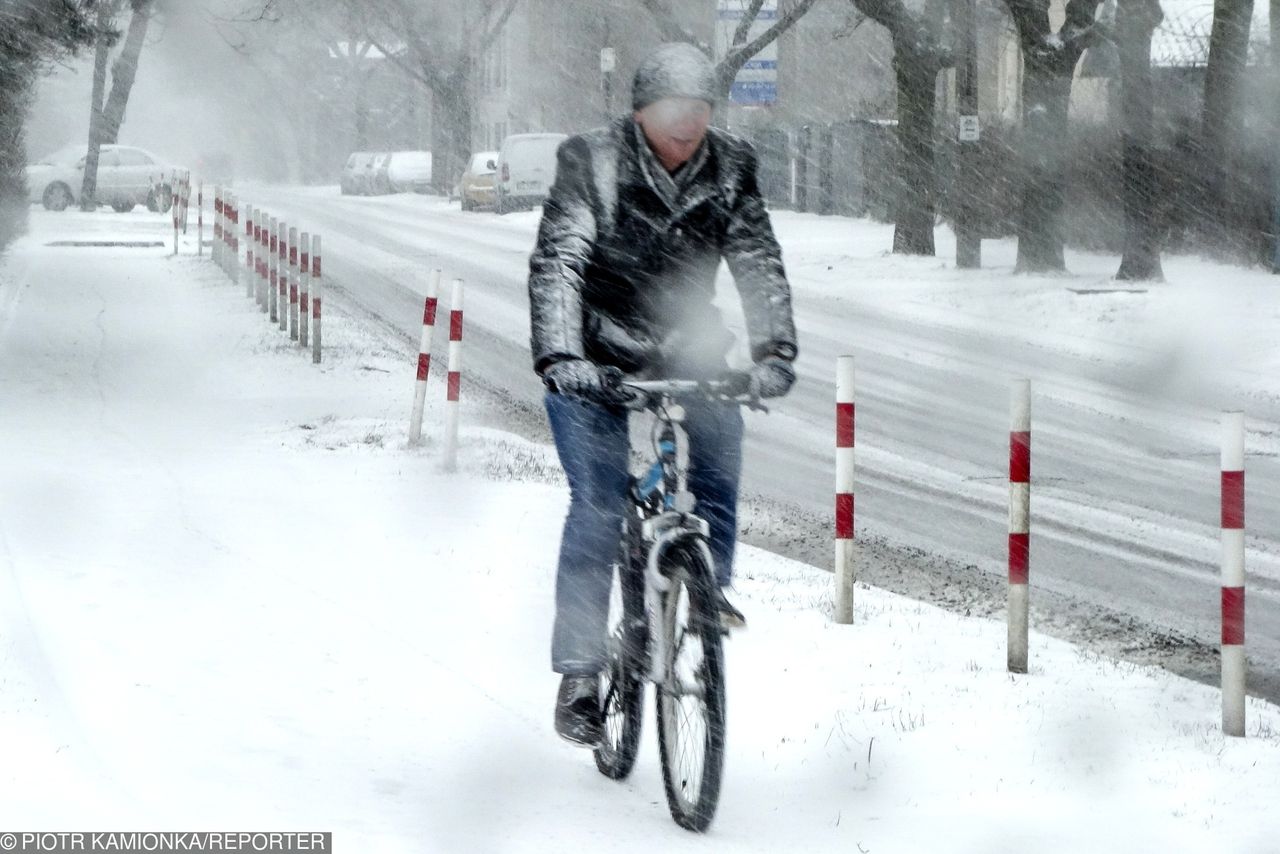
{"x":670,"y":28}
{"x":492,"y":33}
{"x":744,"y":25}
{"x":735,"y":58}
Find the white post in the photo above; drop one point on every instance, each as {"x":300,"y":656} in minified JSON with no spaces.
{"x":250,"y":270}
{"x":263,"y":230}
{"x":217,"y":205}
{"x":304,"y":287}
{"x":1019,"y":523}
{"x":454,"y":379}
{"x":273,"y":269}
{"x":424,"y":359}
{"x":293,"y":284}
{"x":317,"y":290}
{"x":1233,"y":664}
{"x":282,"y":270}
{"x":845,"y":566}
{"x":175,"y":191}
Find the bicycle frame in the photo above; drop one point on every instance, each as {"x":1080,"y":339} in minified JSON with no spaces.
{"x":675,"y":523}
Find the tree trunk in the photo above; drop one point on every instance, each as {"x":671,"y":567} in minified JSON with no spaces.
{"x":1046,"y":93}
{"x":451,"y":129}
{"x":360,"y":112}
{"x":123,"y":73}
{"x":89,"y":186}
{"x":1222,"y":120}
{"x":915,"y":207}
{"x":1135,"y":22}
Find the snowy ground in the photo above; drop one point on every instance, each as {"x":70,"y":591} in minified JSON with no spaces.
{"x":231,"y":597}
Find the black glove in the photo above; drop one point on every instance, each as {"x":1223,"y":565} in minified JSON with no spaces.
{"x":584,"y":380}
{"x":772,"y":376}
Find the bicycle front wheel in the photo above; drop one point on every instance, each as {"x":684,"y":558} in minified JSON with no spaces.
{"x":621,"y":684}
{"x":691,"y":697}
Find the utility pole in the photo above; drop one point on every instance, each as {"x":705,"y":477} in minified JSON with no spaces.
{"x":608,"y":62}
{"x":968,"y":236}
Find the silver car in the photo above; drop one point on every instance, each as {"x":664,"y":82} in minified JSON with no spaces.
{"x":127,"y":176}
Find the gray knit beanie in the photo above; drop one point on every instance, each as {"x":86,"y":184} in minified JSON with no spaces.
{"x":675,"y":70}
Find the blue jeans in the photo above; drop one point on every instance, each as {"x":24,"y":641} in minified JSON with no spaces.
{"x":594,"y":445}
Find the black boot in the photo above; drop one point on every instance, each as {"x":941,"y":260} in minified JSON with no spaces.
{"x":578,"y":717}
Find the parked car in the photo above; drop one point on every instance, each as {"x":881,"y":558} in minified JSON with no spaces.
{"x":526,"y":167}
{"x":409,"y":172}
{"x":127,"y":176}
{"x":349,"y":182}
{"x":476,"y":188}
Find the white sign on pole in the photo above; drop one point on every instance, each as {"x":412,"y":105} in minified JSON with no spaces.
{"x":970,"y":130}
{"x":757,"y":83}
{"x":608,"y":59}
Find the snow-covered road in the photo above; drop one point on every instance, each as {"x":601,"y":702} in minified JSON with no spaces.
{"x":232,"y":598}
{"x":1126,"y":393}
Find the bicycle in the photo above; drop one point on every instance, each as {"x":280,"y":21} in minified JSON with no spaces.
{"x":664,"y":626}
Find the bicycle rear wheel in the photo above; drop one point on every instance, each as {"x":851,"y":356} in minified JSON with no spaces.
{"x":621,"y":683}
{"x":691,"y":698}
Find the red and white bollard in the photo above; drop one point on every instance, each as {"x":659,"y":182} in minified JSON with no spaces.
{"x":232,"y":255}
{"x":317,"y":290}
{"x":217,"y":229}
{"x":282,"y":268}
{"x":304,"y":287}
{"x":260,"y":238}
{"x":424,"y":359}
{"x":1233,"y":664}
{"x":250,"y":271}
{"x":175,"y":208}
{"x":293,"y":284}
{"x":846,"y":573}
{"x":454,"y":380}
{"x":1019,"y":523}
{"x":273,"y":270}
{"x":268,"y":228}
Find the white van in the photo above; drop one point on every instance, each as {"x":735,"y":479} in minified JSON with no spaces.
{"x":526,"y":168}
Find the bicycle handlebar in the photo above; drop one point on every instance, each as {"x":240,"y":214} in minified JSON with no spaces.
{"x":732,"y":388}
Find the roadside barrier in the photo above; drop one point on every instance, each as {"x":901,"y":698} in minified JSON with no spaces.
{"x":179,"y":203}
{"x":424,"y":358}
{"x":217,"y":228}
{"x":454,"y":379}
{"x":293,"y":283}
{"x":1232,"y":491}
{"x":280,"y":268}
{"x":845,"y":567}
{"x":282,"y":274}
{"x":317,"y":290}
{"x":304,"y":286}
{"x":1019,"y":523}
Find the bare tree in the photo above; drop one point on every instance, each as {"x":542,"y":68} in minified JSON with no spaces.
{"x":1136,"y":20}
{"x":1048,"y":61}
{"x":125,"y":70}
{"x":106,"y":34}
{"x":32,"y":33}
{"x":438,"y":43}
{"x":919,"y":55}
{"x":1222,"y":123}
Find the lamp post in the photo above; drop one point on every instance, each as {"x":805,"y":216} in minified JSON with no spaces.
{"x":968,"y":236}
{"x":608,"y":62}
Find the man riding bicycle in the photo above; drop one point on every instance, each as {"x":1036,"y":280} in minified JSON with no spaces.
{"x":621,"y":283}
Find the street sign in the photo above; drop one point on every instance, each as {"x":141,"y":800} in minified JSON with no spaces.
{"x":757,"y":83}
{"x":608,"y":59}
{"x":970,"y":130}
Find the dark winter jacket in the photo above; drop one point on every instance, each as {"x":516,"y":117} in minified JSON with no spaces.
{"x":624,"y":275}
